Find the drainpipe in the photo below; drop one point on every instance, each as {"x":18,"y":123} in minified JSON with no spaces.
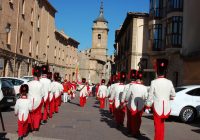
{"x":17,"y":30}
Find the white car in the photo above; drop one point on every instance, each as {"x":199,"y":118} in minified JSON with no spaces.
{"x":29,"y":78}
{"x":186,"y":104}
{"x":17,"y":82}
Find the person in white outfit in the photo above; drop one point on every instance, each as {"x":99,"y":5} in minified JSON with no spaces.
{"x":1,"y":93}
{"x":115,"y":82}
{"x":56,"y":90}
{"x":101,"y":94}
{"x":160,"y":93}
{"x":119,"y":113}
{"x":36,"y":94}
{"x":83,"y":92}
{"x":46,"y":87}
{"x":22,"y":108}
{"x":126,"y":98}
{"x":138,"y":95}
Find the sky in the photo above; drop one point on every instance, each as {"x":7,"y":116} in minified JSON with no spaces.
{"x":75,"y":17}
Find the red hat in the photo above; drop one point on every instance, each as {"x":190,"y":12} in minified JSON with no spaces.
{"x":133,"y":74}
{"x":161,"y":65}
{"x":83,"y":80}
{"x":44,"y":69}
{"x":36,"y":71}
{"x":122,"y":76}
{"x":139,"y":75}
{"x":103,"y":81}
{"x":49,"y":75}
{"x":56,"y":76}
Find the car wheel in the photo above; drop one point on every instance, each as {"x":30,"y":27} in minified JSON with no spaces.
{"x":187,"y":114}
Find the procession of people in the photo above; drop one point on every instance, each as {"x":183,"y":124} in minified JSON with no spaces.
{"x":41,"y":98}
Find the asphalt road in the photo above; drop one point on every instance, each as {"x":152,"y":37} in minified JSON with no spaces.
{"x":90,"y":123}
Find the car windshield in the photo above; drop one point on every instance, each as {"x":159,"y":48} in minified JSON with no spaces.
{"x":179,"y":89}
{"x":6,"y":84}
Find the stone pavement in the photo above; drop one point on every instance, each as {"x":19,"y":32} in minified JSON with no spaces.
{"x":73,"y":123}
{"x":90,"y":123}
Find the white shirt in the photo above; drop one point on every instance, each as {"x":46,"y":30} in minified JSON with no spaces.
{"x":22,"y":108}
{"x":125,"y":93}
{"x":1,"y":93}
{"x":36,"y":93}
{"x":138,"y":95}
{"x":83,"y":90}
{"x":112,"y":89}
{"x":117,"y":94}
{"x":102,"y":92}
{"x":46,"y":86}
{"x":161,"y":90}
{"x":55,"y":89}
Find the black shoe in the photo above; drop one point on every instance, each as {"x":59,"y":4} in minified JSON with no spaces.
{"x":20,"y":138}
{"x":43,"y":122}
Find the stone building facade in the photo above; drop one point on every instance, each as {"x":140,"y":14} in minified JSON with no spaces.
{"x":31,"y":38}
{"x":171,"y":32}
{"x":172,"y":38}
{"x":131,"y":42}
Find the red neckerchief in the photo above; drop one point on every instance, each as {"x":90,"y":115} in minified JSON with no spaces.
{"x":161,"y":77}
{"x":133,"y":82}
{"x":139,"y":83}
{"x":24,"y":97}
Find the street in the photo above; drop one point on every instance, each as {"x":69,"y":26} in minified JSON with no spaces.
{"x":90,"y":123}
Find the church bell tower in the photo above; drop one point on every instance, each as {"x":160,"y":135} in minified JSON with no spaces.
{"x":100,"y":36}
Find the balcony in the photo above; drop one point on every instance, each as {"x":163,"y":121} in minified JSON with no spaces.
{"x":174,"y":6}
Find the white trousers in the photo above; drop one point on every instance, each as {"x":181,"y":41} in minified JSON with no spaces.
{"x":66,"y":97}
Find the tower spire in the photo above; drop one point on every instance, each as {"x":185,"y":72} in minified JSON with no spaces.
{"x":101,"y":8}
{"x":101,"y":16}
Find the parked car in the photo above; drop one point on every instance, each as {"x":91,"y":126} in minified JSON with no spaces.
{"x":9,"y":98}
{"x":17,"y":82}
{"x":29,"y":78}
{"x":186,"y":104}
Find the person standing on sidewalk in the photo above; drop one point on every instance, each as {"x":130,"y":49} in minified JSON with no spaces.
{"x":160,"y":93}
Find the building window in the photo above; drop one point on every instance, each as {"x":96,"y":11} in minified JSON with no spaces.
{"x":63,"y":55}
{"x":55,"y":52}
{"x":8,"y":34}
{"x":59,"y":54}
{"x":156,"y":8}
{"x":37,"y":49}
{"x":23,"y":8}
{"x":21,"y":41}
{"x":48,"y":42}
{"x":174,"y":32}
{"x":11,"y":1}
{"x":99,"y":36}
{"x":157,"y":37}
{"x":38,"y":23}
{"x":30,"y":46}
{"x":32,"y":16}
{"x":174,"y":5}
